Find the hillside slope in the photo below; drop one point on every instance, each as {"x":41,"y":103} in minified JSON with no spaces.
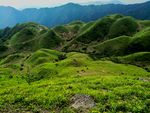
{"x":41,"y":68}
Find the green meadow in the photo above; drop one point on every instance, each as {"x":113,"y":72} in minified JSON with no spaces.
{"x":42,"y":68}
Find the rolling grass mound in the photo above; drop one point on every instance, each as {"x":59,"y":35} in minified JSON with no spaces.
{"x":138,"y":59}
{"x":115,"y":16}
{"x":75,"y":29}
{"x":12,"y":58}
{"x":112,"y":47}
{"x":52,"y":52}
{"x":77,"y":23}
{"x":12,"y":66}
{"x":146,"y":23}
{"x":79,"y":56}
{"x":97,"y":32}
{"x":123,"y":45}
{"x":18,"y":27}
{"x":4,"y":31}
{"x":140,"y":43}
{"x":43,"y":31}
{"x":86,"y":26}
{"x":5,"y":71}
{"x":60,"y":29}
{"x":26,"y":34}
{"x":124,"y":26}
{"x":62,"y":68}
{"x":50,"y":40}
{"x":41,"y":56}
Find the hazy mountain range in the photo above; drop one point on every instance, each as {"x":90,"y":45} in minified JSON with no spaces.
{"x":103,"y":2}
{"x":64,"y":14}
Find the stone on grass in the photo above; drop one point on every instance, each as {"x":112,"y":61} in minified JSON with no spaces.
{"x":82,"y":100}
{"x":141,"y":79}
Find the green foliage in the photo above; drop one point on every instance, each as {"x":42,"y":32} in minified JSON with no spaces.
{"x":60,"y":29}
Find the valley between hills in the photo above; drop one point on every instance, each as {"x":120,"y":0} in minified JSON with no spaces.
{"x":41,"y":68}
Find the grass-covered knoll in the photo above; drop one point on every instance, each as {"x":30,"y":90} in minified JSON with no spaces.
{"x":75,"y":29}
{"x":97,"y":32}
{"x":123,"y":45}
{"x":19,"y":27}
{"x":115,"y":16}
{"x":50,"y":40}
{"x":140,"y":59}
{"x":103,"y":29}
{"x":145,"y":30}
{"x":140,"y":42}
{"x":80,"y":23}
{"x":4,"y":31}
{"x":43,"y":56}
{"x":61,"y":68}
{"x":60,"y":29}
{"x":86,"y":26}
{"x":124,"y":26}
{"x":43,"y":31}
{"x":25,"y":34}
{"x":5,"y":71}
{"x":112,"y":47}
{"x":12,"y":58}
{"x":145,"y":23}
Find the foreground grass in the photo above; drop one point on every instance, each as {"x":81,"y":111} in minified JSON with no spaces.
{"x":114,"y":87}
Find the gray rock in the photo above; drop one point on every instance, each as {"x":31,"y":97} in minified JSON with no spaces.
{"x":82,"y":100}
{"x":141,"y":79}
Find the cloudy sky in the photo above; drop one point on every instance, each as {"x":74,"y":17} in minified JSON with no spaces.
{"x":49,"y":3}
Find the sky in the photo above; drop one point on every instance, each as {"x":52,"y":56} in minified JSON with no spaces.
{"x":18,"y":4}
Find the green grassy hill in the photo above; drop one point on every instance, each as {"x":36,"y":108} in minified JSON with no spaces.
{"x":103,"y":29}
{"x":26,"y":34}
{"x":123,"y":45}
{"x":42,"y":68}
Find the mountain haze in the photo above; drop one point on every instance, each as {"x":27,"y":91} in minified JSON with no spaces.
{"x":64,"y":14}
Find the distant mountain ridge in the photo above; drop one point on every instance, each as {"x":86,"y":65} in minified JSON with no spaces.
{"x":103,"y":2}
{"x":64,"y":14}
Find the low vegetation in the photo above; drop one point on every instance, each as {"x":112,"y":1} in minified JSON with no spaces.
{"x":42,"y":68}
